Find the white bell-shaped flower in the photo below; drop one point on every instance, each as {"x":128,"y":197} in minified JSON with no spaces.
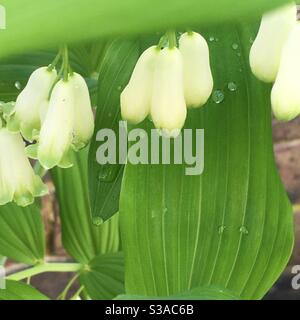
{"x":57,"y":130}
{"x":198,"y":80}
{"x":266,"y":50}
{"x":168,"y":107}
{"x":286,"y":90}
{"x":18,"y":181}
{"x":27,"y":109}
{"x":83,"y":115}
{"x":136,"y":97}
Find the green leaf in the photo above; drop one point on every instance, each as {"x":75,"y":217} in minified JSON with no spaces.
{"x":105,"y":278}
{"x":232,"y":226}
{"x":105,"y":180}
{"x":82,"y":239}
{"x":20,"y":291}
{"x":202,"y":293}
{"x":21,"y":233}
{"x":109,"y":18}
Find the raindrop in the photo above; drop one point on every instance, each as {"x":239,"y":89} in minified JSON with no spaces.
{"x":235,"y":46}
{"x":232,"y":86}
{"x":239,"y":54}
{"x":97,"y":221}
{"x":107,"y":174}
{"x":251,"y":40}
{"x":18,"y":85}
{"x":120,"y":88}
{"x":218,"y":96}
{"x":211,"y":39}
{"x":221,"y":229}
{"x":244,"y":230}
{"x":154,"y":214}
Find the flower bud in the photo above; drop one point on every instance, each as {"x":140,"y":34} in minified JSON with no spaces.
{"x":286,"y":90}
{"x":18,"y":181}
{"x":83,"y":115}
{"x":136,"y":97}
{"x":273,"y":32}
{"x":197,"y":76}
{"x":27,"y":109}
{"x":168,"y":108}
{"x":57,"y":130}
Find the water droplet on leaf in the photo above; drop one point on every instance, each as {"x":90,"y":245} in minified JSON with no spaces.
{"x":221,"y":229}
{"x":235,"y":46}
{"x":18,"y":85}
{"x":97,"y":221}
{"x":218,"y":96}
{"x":232,"y":86}
{"x":244,"y":230}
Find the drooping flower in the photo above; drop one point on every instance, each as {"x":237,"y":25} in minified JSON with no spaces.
{"x":56,"y":134}
{"x":286,"y":90}
{"x":136,"y":97}
{"x":67,"y":123}
{"x":18,"y":181}
{"x":168,"y":107}
{"x":198,"y":80}
{"x":266,"y":50}
{"x":83,"y":128}
{"x":26,"y":118}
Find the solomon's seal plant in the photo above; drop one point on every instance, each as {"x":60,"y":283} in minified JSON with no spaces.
{"x":137,"y":220}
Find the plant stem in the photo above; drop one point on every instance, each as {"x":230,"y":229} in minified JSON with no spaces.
{"x":76,"y":295}
{"x":172,"y":39}
{"x":46,"y":267}
{"x":63,"y":295}
{"x":55,"y":61}
{"x":66,"y":62}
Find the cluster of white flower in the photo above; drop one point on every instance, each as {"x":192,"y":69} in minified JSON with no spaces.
{"x":167,"y":81}
{"x":274,"y":57}
{"x":53,"y":114}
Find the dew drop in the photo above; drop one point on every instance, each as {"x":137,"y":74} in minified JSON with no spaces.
{"x":18,"y":85}
{"x":107,"y":174}
{"x":232,"y":86}
{"x":97,"y":221}
{"x":119,"y":88}
{"x":218,"y":96}
{"x":244,"y":230}
{"x":235,"y":46}
{"x":251,"y":40}
{"x":154,"y":214}
{"x":211,"y":39}
{"x":221,"y":229}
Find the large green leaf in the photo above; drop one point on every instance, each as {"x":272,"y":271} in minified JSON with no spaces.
{"x":231,"y":227}
{"x":105,"y":278}
{"x":202,"y":293}
{"x":20,"y":291}
{"x":21,"y":233}
{"x":82,"y":239}
{"x":44,"y":24}
{"x":105,"y":180}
